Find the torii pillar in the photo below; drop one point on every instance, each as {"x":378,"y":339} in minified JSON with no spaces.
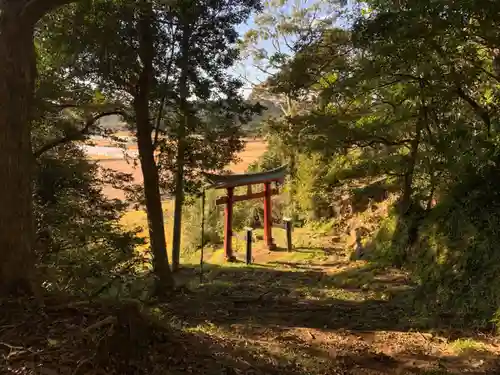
{"x":268,"y":217}
{"x":228,"y":226}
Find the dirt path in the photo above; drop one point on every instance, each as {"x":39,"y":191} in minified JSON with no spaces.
{"x":309,"y":312}
{"x":316,"y":312}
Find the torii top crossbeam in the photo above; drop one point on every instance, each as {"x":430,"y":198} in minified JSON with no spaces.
{"x":229,"y":182}
{"x":234,"y":180}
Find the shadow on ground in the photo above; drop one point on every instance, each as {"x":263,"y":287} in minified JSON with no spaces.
{"x":357,"y":298}
{"x":241,"y":320}
{"x":71,"y":337}
{"x":336,"y":311}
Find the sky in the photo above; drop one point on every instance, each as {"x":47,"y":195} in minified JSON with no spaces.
{"x":245,"y":68}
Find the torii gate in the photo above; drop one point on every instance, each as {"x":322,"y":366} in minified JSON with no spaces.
{"x":229,"y":182}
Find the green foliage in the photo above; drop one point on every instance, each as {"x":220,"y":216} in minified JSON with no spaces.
{"x":214,"y":222}
{"x":382,"y":247}
{"x":455,"y":259}
{"x":310,"y":187}
{"x":81,"y":246}
{"x":403,"y":99}
{"x":458,"y":249}
{"x":101,"y":46}
{"x":272,"y":157}
{"x":467,"y":346}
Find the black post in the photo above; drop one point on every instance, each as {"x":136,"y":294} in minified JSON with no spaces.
{"x":288,"y":228}
{"x":249,"y":245}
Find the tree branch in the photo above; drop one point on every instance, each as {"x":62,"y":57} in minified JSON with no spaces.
{"x":74,"y":136}
{"x":158,"y":121}
{"x":480,"y":111}
{"x":378,"y":140}
{"x":411,"y":77}
{"x":163,"y":99}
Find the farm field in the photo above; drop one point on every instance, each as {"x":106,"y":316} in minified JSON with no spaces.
{"x":113,"y":158}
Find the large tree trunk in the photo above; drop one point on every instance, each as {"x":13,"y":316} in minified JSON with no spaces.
{"x":146,"y":154}
{"x":17,"y":77}
{"x":181,"y":147}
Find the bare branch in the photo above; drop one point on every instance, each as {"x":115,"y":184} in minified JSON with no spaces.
{"x":378,"y":140}
{"x":74,"y":136}
{"x":262,"y":69}
{"x":287,"y":43}
{"x":164,"y":97}
{"x":158,"y":121}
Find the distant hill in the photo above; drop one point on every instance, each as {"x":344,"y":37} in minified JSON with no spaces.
{"x":262,"y":96}
{"x":114,"y":122}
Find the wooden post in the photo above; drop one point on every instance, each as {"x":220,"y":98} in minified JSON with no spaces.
{"x":228,"y":226}
{"x":268,"y":236}
{"x":249,"y":245}
{"x":288,"y":228}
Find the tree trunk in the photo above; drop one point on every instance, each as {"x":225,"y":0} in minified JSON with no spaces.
{"x":181,"y":148}
{"x":17,"y":77}
{"x":164,"y":280}
{"x":407,"y":190}
{"x":179,"y":203}
{"x":407,"y":225}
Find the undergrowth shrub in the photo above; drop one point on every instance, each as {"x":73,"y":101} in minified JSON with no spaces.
{"x":459,"y":257}
{"x":310,"y":187}
{"x":320,"y":187}
{"x":381,"y":248}
{"x":456,"y":258}
{"x":82,"y":248}
{"x":192,"y":222}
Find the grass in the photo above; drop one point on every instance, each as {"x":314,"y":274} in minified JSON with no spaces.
{"x":308,"y":246}
{"x":134,"y":219}
{"x":307,"y":312}
{"x":467,"y":346}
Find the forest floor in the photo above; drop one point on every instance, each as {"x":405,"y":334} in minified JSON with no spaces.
{"x":310,"y":311}
{"x":315,"y":311}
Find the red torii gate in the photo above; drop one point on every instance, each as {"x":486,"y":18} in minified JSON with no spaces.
{"x":231,"y":181}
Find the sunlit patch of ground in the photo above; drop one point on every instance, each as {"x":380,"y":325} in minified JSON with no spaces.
{"x":311,"y":311}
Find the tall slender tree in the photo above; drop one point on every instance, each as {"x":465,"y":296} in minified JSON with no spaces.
{"x":157,"y":58}
{"x":114,"y":44}
{"x":207,"y":48}
{"x":149,"y":167}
